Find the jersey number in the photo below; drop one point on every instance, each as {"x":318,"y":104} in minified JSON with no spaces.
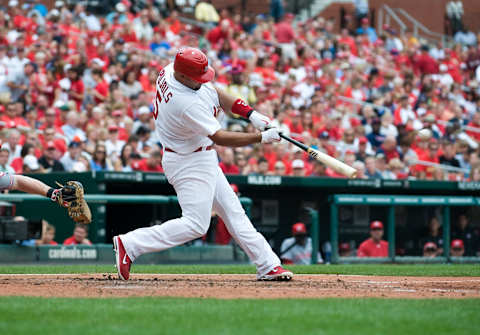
{"x":159,"y":99}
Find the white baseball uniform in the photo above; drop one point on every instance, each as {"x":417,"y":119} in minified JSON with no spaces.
{"x":184,"y":118}
{"x":298,"y":254}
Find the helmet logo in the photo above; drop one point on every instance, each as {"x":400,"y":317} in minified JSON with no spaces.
{"x":205,"y":69}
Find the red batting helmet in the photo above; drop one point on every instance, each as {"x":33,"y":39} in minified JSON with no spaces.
{"x":299,"y":228}
{"x":193,"y":63}
{"x":376,"y":225}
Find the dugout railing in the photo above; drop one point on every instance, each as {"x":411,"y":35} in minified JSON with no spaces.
{"x":98,"y":202}
{"x":102,"y":253}
{"x":392,"y":201}
{"x":103,"y":199}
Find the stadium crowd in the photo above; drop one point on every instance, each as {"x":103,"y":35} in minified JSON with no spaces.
{"x":76,"y":91}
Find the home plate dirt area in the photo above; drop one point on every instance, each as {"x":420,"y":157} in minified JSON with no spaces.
{"x":237,"y":286}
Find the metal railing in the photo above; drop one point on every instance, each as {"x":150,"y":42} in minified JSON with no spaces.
{"x":418,"y":26}
{"x":440,"y":166}
{"x":115,"y":199}
{"x":385,"y":14}
{"x":314,"y":233}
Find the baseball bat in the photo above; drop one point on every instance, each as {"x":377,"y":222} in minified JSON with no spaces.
{"x":329,"y":161}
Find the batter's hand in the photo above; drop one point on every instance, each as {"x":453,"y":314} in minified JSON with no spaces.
{"x":260,"y":121}
{"x":270,"y":135}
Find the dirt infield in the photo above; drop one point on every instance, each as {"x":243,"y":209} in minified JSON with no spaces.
{"x":238,"y":286}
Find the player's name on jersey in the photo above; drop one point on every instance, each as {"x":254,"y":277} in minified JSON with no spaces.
{"x":264,"y":180}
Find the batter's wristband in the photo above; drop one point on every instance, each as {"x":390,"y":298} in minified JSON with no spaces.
{"x":241,"y":108}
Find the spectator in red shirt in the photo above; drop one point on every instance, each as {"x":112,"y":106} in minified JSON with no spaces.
{"x":425,"y":64}
{"x":80,"y":233}
{"x":100,"y":92}
{"x":151,"y":164}
{"x":347,"y":39}
{"x":298,"y":168}
{"x":296,"y":127}
{"x":219,"y":33}
{"x":284,"y":32}
{"x":11,"y":117}
{"x":374,"y":246}
{"x":76,"y":92}
{"x":389,"y":148}
{"x":285,"y":35}
{"x":475,"y":123}
{"x":432,"y":156}
{"x":227,"y":164}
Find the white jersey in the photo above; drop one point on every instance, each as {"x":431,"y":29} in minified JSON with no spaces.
{"x":184,"y":118}
{"x":298,"y":254}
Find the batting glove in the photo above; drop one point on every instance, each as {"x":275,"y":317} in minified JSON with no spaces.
{"x":260,"y":121}
{"x":270,"y":135}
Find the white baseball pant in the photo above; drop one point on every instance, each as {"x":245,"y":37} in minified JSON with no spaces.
{"x":200,"y":185}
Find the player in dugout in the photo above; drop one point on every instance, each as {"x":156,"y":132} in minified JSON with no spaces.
{"x":374,"y":246}
{"x":457,"y":248}
{"x":298,"y":248}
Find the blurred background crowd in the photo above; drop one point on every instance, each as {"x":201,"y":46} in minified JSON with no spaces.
{"x":76,"y":90}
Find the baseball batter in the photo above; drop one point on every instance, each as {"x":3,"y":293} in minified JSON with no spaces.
{"x":186,"y":111}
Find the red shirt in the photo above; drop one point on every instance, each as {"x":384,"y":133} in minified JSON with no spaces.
{"x":284,"y":32}
{"x":77,"y":87}
{"x":14,"y":122}
{"x":102,"y":89}
{"x":142,"y":165}
{"x":17,"y":165}
{"x":72,"y":241}
{"x":229,"y":169}
{"x":369,"y":248}
{"x":426,"y":64}
{"x":296,"y":130}
{"x":350,"y":41}
{"x":428,"y":169}
{"x":216,"y":34}
{"x":222,"y":236}
{"x":472,"y":134}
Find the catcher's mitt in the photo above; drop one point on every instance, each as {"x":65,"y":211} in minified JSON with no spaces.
{"x":70,"y":196}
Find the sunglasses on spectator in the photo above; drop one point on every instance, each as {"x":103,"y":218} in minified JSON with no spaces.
{"x":457,"y":249}
{"x":430,"y":250}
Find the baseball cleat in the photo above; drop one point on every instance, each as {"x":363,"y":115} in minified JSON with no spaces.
{"x":122,"y":261}
{"x":278,"y":273}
